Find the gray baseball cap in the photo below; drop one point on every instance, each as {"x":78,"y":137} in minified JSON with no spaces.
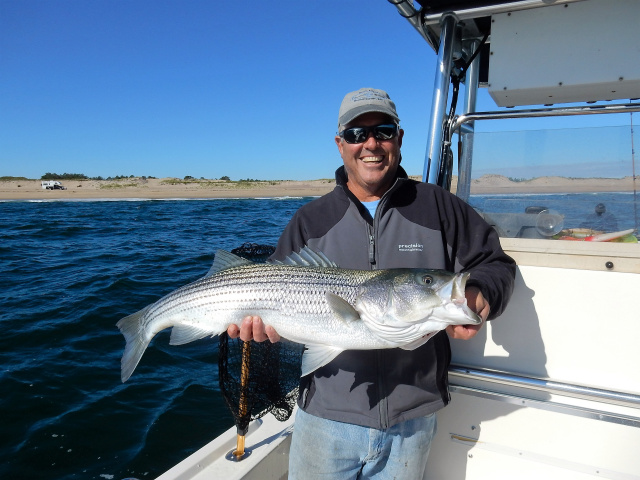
{"x":363,"y":101}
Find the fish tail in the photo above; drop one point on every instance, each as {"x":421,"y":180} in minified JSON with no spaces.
{"x":137,"y":342}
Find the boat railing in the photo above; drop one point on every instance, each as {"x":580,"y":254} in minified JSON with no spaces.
{"x":465,"y":118}
{"x":546,"y":385}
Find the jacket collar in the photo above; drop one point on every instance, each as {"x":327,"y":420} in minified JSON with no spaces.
{"x":341,"y":177}
{"x":341,"y":182}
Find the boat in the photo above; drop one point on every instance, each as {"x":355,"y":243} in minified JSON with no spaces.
{"x":551,"y":389}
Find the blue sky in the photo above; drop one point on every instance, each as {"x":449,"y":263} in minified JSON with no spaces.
{"x":199,"y":87}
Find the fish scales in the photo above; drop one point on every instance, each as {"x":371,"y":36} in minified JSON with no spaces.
{"x":307,"y":300}
{"x":289,"y":289}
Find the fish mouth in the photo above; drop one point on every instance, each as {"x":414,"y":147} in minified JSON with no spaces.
{"x":458,"y":287}
{"x":454,"y":293}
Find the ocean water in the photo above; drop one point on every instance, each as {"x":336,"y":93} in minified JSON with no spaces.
{"x":71,"y":270}
{"x":575,"y":208}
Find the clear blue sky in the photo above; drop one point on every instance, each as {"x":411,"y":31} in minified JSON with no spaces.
{"x":200,"y":87}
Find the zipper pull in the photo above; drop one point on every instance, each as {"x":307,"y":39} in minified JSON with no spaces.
{"x":372,"y":250}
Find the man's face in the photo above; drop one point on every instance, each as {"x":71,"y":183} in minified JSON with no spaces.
{"x":371,"y":166}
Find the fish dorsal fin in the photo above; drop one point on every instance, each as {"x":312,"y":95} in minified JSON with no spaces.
{"x":224,"y":260}
{"x":306,"y":258}
{"x":342,"y":309}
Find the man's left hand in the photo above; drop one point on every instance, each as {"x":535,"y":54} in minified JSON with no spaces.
{"x":477,"y":303}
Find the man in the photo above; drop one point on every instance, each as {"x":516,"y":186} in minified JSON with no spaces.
{"x":371,"y":414}
{"x":600,"y":220}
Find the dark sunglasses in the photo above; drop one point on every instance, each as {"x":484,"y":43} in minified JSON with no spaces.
{"x":360,"y":134}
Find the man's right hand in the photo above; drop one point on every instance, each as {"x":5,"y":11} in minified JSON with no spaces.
{"x":253,"y":328}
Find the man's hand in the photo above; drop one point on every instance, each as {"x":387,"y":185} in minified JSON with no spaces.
{"x":253,"y":328}
{"x":477,"y":303}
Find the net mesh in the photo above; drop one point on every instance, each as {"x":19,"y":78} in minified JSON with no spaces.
{"x":264,"y":379}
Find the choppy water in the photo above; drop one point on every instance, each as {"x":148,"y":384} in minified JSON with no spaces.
{"x":70,"y":271}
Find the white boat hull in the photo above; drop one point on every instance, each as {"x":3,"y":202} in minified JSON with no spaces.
{"x":573,"y":327}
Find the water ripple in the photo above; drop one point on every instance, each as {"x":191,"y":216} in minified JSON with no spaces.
{"x":71,"y":270}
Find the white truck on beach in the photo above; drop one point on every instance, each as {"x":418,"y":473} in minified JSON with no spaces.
{"x":52,"y":185}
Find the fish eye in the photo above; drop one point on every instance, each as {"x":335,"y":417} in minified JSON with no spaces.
{"x":427,"y":279}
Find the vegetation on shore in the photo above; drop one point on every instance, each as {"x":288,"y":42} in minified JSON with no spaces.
{"x":124,"y":181}
{"x":169,"y":181}
{"x":82,"y":176}
{"x":12,"y":179}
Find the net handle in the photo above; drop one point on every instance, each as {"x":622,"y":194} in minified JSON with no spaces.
{"x":244,"y":387}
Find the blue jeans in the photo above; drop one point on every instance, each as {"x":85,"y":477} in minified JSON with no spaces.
{"x":325,"y":449}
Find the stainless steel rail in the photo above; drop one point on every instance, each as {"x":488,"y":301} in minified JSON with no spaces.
{"x":548,"y":386}
{"x":543,"y":112}
{"x":439,"y":100}
{"x":433,"y":17}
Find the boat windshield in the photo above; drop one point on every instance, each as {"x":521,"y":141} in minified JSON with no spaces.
{"x":566,"y":183}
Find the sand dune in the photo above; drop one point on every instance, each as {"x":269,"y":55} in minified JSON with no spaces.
{"x":176,"y":188}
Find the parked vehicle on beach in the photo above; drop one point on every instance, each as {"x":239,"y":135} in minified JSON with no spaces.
{"x":52,"y":185}
{"x":551,"y":389}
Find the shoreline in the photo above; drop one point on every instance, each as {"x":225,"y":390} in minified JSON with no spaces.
{"x":171,"y":188}
{"x":162,"y":189}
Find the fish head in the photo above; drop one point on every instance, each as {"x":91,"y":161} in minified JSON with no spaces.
{"x":403,"y":304}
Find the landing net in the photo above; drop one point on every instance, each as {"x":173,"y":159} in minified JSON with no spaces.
{"x":267,"y":380}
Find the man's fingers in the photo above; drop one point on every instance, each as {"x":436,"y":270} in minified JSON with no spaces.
{"x":272,"y":334}
{"x":253,"y":328}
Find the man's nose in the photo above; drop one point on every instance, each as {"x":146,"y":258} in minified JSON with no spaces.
{"x":371,"y":141}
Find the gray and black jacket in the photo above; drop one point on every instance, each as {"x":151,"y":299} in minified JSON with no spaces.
{"x":416,"y":225}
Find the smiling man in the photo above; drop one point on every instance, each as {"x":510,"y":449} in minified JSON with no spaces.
{"x":370,"y":414}
{"x":369,"y":143}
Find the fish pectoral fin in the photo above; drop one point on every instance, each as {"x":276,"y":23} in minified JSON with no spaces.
{"x":316,"y":356}
{"x":181,"y":334}
{"x":343,"y":309}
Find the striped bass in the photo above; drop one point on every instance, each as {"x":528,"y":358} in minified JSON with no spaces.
{"x":308,"y":300}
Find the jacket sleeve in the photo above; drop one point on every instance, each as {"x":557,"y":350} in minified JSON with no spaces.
{"x":476,"y":247}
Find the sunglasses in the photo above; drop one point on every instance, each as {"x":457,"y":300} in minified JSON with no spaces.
{"x":360,"y":134}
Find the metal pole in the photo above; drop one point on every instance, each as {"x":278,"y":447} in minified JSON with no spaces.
{"x":439,"y":100}
{"x":466,"y":157}
{"x":408,"y":11}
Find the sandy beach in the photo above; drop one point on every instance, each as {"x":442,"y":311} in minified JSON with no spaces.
{"x":162,"y":188}
{"x":153,"y":188}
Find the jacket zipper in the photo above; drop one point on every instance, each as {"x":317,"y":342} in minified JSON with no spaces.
{"x":372,"y":248}
{"x":382,"y":398}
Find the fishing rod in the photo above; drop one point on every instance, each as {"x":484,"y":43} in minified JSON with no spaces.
{"x":633,"y":170}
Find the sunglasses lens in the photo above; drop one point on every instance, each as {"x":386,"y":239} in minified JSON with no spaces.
{"x":355,"y":135}
{"x":385,"y":132}
{"x":360,"y":134}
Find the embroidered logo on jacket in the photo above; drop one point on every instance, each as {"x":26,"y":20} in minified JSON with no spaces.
{"x":410,"y":247}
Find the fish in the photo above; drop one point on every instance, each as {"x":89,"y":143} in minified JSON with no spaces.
{"x":309,"y":300}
